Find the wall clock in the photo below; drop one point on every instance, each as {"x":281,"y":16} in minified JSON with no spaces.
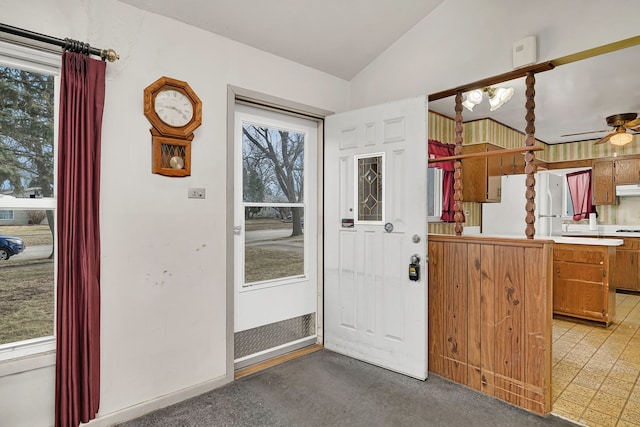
{"x":175,"y":111}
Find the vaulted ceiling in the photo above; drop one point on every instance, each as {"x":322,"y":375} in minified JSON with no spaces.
{"x":339,"y":37}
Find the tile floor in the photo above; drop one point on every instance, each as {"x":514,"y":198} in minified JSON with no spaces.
{"x":595,"y":377}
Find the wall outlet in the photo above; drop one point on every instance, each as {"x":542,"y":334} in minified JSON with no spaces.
{"x":197,"y":193}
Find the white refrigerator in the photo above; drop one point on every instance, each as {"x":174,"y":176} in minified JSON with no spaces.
{"x":508,"y":216}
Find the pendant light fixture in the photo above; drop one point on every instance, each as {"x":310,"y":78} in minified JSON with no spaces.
{"x":497,"y":97}
{"x":621,"y":138}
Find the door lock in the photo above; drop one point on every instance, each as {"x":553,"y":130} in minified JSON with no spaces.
{"x":414,"y":268}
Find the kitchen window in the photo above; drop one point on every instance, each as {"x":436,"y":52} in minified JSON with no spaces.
{"x":29,"y":86}
{"x":434,"y":194}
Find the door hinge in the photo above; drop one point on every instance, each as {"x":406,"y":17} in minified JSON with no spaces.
{"x":604,"y":273}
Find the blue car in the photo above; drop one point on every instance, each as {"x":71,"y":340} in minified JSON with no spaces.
{"x":10,"y":246}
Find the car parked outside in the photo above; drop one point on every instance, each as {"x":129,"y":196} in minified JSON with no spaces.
{"x":10,"y":246}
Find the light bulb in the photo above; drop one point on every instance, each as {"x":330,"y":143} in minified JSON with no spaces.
{"x":473,"y":98}
{"x":621,"y":138}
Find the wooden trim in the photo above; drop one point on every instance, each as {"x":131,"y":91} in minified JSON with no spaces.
{"x":530,"y":157}
{"x":458,"y":197}
{"x":276,"y":361}
{"x":515,"y":74}
{"x":600,"y":50}
{"x":507,"y":241}
{"x":487,"y":153}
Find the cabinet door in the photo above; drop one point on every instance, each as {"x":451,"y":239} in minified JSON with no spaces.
{"x":581,"y":289}
{"x":494,"y":176}
{"x":603,"y":192}
{"x":627,"y":269}
{"x":559,"y":291}
{"x":474,"y":174}
{"x":627,"y":171}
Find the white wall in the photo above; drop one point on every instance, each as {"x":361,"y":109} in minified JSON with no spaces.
{"x":163,"y":255}
{"x":462,"y":41}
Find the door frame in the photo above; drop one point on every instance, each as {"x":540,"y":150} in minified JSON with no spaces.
{"x":235,"y":95}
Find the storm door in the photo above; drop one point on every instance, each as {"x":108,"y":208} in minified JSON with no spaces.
{"x":275,"y":234}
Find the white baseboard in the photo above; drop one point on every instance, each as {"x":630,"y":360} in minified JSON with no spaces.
{"x":158,"y":403}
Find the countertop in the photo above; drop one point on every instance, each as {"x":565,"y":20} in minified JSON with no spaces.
{"x":570,"y":240}
{"x":598,"y":233}
{"x":596,"y":241}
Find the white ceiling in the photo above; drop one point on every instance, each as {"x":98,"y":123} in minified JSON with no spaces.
{"x":339,"y":37}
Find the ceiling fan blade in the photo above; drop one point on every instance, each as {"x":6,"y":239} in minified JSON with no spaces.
{"x":632,"y":123}
{"x":584,"y":133}
{"x":604,"y":139}
{"x":636,"y":129}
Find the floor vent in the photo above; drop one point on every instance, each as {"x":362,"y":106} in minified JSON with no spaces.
{"x":273,"y":335}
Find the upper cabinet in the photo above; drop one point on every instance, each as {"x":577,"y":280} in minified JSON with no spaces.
{"x":481,"y":175}
{"x":609,"y":173}
{"x":627,"y":171}
{"x":603,"y":189}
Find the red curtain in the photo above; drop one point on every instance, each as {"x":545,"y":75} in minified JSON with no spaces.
{"x":78,"y":234}
{"x":580,"y":190}
{"x":436,"y":150}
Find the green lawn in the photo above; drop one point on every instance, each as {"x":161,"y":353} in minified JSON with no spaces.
{"x":26,"y":301}
{"x":31,"y":234}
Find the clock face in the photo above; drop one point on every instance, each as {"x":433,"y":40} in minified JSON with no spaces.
{"x":173,"y":107}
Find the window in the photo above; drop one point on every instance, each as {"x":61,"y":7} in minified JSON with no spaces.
{"x":370,"y":192}
{"x":29,"y":83}
{"x":434,"y":194}
{"x":273,"y":196}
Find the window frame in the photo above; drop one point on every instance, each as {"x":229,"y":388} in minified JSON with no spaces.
{"x":254,"y":120}
{"x":435,"y":186}
{"x":356,"y":189}
{"x":44,"y":62}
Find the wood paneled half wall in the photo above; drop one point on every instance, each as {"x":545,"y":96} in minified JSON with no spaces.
{"x":490,"y":316}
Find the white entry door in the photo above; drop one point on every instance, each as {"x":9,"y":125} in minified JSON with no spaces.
{"x":375,"y":222}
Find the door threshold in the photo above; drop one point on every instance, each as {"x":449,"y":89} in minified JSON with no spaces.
{"x":276,"y":361}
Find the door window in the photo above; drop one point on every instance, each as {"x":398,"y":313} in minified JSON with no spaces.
{"x":370,"y":193}
{"x":274,"y":202}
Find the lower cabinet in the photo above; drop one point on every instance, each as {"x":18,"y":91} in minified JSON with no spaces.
{"x":627,"y":268}
{"x":582,"y":282}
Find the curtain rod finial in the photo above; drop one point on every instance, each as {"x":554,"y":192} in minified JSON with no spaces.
{"x":110,"y":55}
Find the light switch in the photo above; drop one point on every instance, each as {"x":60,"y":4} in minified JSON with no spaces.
{"x":197,"y":193}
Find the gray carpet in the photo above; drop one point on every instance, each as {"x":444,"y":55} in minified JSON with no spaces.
{"x":327,"y":389}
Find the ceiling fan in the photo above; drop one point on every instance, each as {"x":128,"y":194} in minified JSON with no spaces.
{"x":621,"y":124}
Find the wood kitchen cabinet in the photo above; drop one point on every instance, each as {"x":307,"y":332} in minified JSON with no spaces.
{"x":627,"y":268}
{"x":603,"y":191}
{"x":481,"y":175}
{"x":582,"y":281}
{"x":627,"y":171}
{"x":512,"y":164}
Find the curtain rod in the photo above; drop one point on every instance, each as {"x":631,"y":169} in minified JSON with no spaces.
{"x":66,"y":44}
